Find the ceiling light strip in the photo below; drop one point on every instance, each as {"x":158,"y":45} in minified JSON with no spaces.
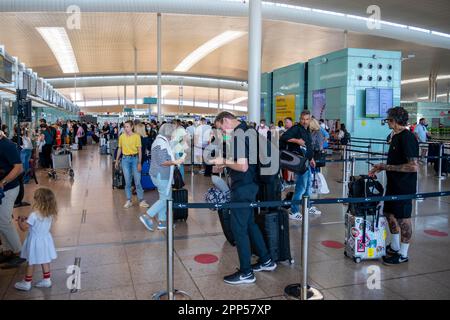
{"x":59,"y":43}
{"x":208,"y":47}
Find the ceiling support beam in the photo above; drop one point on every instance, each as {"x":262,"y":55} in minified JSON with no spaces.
{"x":271,"y":11}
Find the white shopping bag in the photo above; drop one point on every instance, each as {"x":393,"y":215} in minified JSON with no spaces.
{"x":322,"y":184}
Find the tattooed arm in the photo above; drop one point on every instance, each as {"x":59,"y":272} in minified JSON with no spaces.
{"x":411,"y":166}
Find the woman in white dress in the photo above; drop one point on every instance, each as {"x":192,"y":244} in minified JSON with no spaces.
{"x":38,"y":247}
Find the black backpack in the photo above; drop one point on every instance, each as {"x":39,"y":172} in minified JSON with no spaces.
{"x":364,"y":187}
{"x":346,"y":139}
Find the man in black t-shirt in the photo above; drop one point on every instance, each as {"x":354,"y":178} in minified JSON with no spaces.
{"x":401,"y":172}
{"x":10,"y":170}
{"x":243,"y":189}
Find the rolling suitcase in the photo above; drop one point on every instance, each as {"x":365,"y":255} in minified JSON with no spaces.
{"x":433,"y":151}
{"x":180,"y":196}
{"x":225,"y":222}
{"x":274,"y":226}
{"x":146,"y":180}
{"x":103,"y":150}
{"x":117,"y":178}
{"x":365,"y":239}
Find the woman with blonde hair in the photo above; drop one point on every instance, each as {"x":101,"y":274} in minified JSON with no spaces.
{"x":145,"y":141}
{"x":161,"y":171}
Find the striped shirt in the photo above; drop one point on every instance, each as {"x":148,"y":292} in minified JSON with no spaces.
{"x":160,"y":156}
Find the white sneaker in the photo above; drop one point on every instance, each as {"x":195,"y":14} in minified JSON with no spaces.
{"x":129,"y":204}
{"x":144,"y":204}
{"x":44,"y":283}
{"x":295,"y":216}
{"x":314,"y":211}
{"x":23,"y":285}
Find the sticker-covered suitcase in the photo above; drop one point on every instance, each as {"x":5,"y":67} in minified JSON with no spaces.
{"x":375,"y":233}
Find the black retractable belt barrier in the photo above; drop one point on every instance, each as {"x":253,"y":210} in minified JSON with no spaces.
{"x":297,"y":291}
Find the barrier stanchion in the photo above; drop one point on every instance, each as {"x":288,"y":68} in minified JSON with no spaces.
{"x":353,"y":163}
{"x":171,"y":293}
{"x":441,"y":153}
{"x":302,"y":291}
{"x":368,"y":156}
{"x":344,"y":167}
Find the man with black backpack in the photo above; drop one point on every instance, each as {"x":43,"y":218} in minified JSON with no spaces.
{"x":243,"y":189}
{"x":401,"y":173}
{"x":298,"y":139}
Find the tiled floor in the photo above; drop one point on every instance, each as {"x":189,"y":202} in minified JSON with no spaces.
{"x":120,"y":259}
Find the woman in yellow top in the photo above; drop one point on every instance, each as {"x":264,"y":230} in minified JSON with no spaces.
{"x":131,"y":148}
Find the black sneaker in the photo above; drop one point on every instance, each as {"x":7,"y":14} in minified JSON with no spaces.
{"x":390,"y":251}
{"x":395,"y":260}
{"x":240,"y":278}
{"x":13,"y":263}
{"x":267,"y":266}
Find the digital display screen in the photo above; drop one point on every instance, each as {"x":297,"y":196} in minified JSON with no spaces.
{"x":372,"y":103}
{"x":26,"y":81}
{"x":5,"y":70}
{"x":386,"y":101}
{"x":33,"y":86}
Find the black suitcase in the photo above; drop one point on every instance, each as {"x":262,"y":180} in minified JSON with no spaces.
{"x":274,"y":226}
{"x":118,"y":179}
{"x":180,"y":196}
{"x":225,"y":222}
{"x":445,"y":165}
{"x":433,"y":151}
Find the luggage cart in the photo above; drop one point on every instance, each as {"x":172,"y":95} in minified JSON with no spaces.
{"x":62,"y":161}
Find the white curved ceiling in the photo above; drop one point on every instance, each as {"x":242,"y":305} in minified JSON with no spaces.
{"x":106,"y":41}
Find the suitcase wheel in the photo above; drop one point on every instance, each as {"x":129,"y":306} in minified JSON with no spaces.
{"x":357,"y":260}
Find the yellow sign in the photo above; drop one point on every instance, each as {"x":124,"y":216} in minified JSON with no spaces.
{"x":370,"y":252}
{"x":284,"y":107}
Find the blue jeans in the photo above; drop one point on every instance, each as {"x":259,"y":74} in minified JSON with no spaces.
{"x":160,"y":207}
{"x":25,"y":156}
{"x":130,"y":172}
{"x":302,"y":187}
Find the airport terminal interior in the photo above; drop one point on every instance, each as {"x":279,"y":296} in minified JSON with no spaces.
{"x":94,"y":65}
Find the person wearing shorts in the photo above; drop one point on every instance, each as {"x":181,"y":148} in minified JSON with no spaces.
{"x":401,"y":173}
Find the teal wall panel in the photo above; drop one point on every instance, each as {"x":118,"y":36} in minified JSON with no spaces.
{"x":290,"y":80}
{"x":345,"y":75}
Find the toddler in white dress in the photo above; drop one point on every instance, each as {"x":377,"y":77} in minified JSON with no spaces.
{"x":38,"y":247}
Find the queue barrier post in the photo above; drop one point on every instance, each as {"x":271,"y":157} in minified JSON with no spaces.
{"x":441,"y":154}
{"x":353,"y":166}
{"x":171,"y":293}
{"x":302,"y":291}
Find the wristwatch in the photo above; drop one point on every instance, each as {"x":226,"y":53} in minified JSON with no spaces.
{"x":4,"y":182}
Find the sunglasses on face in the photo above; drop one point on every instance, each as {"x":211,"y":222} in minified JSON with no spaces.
{"x":388,"y":120}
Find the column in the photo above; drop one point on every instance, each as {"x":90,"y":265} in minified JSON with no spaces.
{"x":159,"y":64}
{"x":135,"y":78}
{"x":254,"y":60}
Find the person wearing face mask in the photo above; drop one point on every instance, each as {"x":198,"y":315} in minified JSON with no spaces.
{"x":244,"y":188}
{"x":161,"y":171}
{"x":422,"y":135}
{"x":262,"y":128}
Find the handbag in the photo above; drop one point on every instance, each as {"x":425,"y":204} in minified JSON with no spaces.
{"x":320,"y":158}
{"x":178,"y":182}
{"x":293,"y":161}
